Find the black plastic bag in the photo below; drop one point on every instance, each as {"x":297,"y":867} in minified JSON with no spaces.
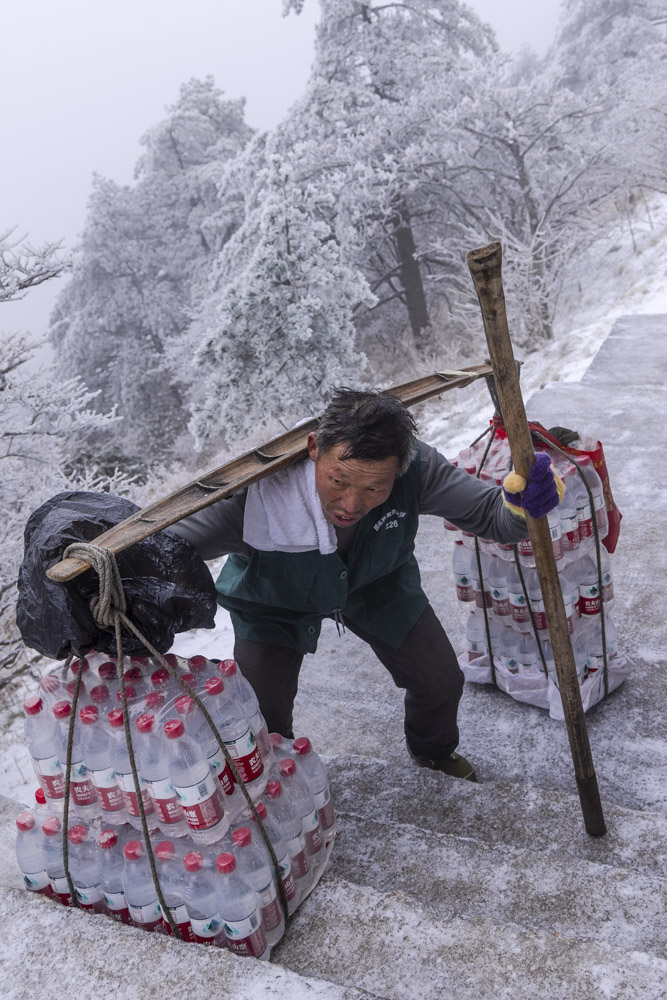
{"x":168,"y":587}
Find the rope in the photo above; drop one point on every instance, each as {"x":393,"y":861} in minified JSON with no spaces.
{"x":108,"y":609}
{"x":478,"y":556}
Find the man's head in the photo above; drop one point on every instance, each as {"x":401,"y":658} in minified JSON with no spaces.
{"x":363,"y":442}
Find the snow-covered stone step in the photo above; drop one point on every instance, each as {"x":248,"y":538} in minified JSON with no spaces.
{"x":524,"y":816}
{"x":395,"y":947}
{"x":63,"y":953}
{"x":528,"y":887}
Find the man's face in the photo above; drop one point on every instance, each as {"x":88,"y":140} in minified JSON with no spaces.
{"x":349,"y":488}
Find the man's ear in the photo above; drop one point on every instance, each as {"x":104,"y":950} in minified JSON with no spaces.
{"x":312,"y":446}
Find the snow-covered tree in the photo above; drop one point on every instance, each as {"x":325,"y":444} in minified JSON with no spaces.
{"x":145,"y":251}
{"x":279,"y":334}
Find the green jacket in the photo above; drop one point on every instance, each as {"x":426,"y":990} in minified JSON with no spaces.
{"x":282,"y":597}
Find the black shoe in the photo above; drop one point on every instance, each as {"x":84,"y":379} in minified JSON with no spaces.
{"x":454,"y":765}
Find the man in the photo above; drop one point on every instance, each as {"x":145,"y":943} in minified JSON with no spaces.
{"x":333,"y":536}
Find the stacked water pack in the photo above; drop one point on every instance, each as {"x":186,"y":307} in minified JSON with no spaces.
{"x":520,"y":642}
{"x":219,"y":882}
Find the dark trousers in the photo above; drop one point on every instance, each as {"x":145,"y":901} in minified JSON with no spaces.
{"x":425,"y":667}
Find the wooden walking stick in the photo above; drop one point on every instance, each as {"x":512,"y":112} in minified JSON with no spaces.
{"x":485,"y":268}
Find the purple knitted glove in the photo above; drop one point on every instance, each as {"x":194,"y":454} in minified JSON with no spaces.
{"x":540,"y":494}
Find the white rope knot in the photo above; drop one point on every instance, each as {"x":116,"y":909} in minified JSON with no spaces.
{"x":110,"y":600}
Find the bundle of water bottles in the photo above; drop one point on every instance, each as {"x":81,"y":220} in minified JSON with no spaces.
{"x":230,"y":869}
{"x":507,"y":626}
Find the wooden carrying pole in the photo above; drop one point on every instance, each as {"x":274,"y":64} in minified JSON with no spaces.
{"x":485,"y":268}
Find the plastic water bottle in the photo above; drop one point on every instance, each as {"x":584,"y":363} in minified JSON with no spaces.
{"x":140,"y":892}
{"x":120,"y":761}
{"x":40,"y":738}
{"x":96,"y":746}
{"x":462,"y":568}
{"x":195,"y":784}
{"x":229,"y":671}
{"x":518,"y":600}
{"x":607,"y":578}
{"x":509,"y":650}
{"x":591,"y":642}
{"x":275,"y":835}
{"x":589,"y":587}
{"x":298,"y":794}
{"x":29,"y":854}
{"x":236,"y":731}
{"x":536,"y":600}
{"x":254,"y":862}
{"x":312,"y":768}
{"x":570,"y":591}
{"x":52,"y":852}
{"x":475,"y":637}
{"x":154,"y":771}
{"x":82,"y":793}
{"x":170,"y":876}
{"x":548,"y":654}
{"x":201,"y":901}
{"x":528,"y":655}
{"x":82,"y":860}
{"x":111,"y":864}
{"x":292,"y":832}
{"x":569,"y":522}
{"x":595,"y":483}
{"x":556,"y":532}
{"x":240,"y":911}
{"x":500,"y":601}
{"x":482,"y":587}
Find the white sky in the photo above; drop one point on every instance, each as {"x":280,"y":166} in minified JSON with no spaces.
{"x":82,"y":81}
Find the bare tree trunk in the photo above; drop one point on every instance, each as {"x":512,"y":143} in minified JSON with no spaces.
{"x":409,"y":271}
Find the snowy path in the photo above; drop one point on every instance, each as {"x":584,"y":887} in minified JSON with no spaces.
{"x":440,"y":888}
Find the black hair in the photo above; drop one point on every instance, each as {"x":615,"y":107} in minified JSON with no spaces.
{"x":371,"y":424}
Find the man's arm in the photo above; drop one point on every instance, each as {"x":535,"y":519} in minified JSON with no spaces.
{"x":467,"y":502}
{"x":216,"y":530}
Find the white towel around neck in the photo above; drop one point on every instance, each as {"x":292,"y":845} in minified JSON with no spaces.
{"x":283,"y":513}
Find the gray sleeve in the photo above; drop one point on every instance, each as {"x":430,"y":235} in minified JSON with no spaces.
{"x":467,"y":502}
{"x":216,"y":530}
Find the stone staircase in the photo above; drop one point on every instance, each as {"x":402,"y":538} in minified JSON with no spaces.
{"x":438,"y":888}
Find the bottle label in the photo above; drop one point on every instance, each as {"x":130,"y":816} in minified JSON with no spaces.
{"x":180,"y":917}
{"x":525,"y":547}
{"x":36,"y":881}
{"x":481,"y":599}
{"x":325,"y":809}
{"x":109,"y":794}
{"x":126,"y":785}
{"x":247,"y":756}
{"x":147,"y":914}
{"x":312,"y":833}
{"x":511,"y":663}
{"x":201,"y":802}
{"x":607,"y":587}
{"x":167,"y":807}
{"x":570,"y":533}
{"x":287,"y":876}
{"x":205,"y":929}
{"x":271,"y":912}
{"x":539,"y":614}
{"x":81,"y":789}
{"x":115,"y":901}
{"x":475,"y":650}
{"x":589,"y":600}
{"x":60,"y":888}
{"x":519,"y":607}
{"x":50,"y":776}
{"x":89,"y":895}
{"x":464,"y":590}
{"x":245,"y":936}
{"x":556,"y":533}
{"x":298,"y":856}
{"x":500,"y":602}
{"x":218,"y":763}
{"x":585,"y":520}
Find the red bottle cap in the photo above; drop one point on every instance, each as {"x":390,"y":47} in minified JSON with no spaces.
{"x":165,"y":850}
{"x":193,"y":861}
{"x":141,"y":660}
{"x":302,"y":746}
{"x":40,"y":797}
{"x":287,"y":766}
{"x":75,"y":664}
{"x":133,"y":675}
{"x":214,"y":685}
{"x":274,"y":789}
{"x":116,"y":717}
{"x":49,"y":684}
{"x":189,"y":679}
{"x":225,"y":863}
{"x":71,"y":687}
{"x":77,"y":834}
{"x":173,"y":728}
{"x":25,"y":821}
{"x":197,"y":663}
{"x":107,"y":839}
{"x":155,"y":699}
{"x":145,"y":723}
{"x":51,"y":826}
{"x":159,"y":677}
{"x":33,"y":705}
{"x":107,"y":670}
{"x":62,"y":709}
{"x":88,"y":714}
{"x":172,"y":660}
{"x":242,"y":836}
{"x":276,"y":739}
{"x":261,"y":811}
{"x":227,"y":668}
{"x":133,"y":850}
{"x":184,"y":705}
{"x":99,"y":694}
{"x":130,"y":693}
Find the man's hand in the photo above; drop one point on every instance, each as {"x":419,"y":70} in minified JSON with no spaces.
{"x":541,"y":493}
